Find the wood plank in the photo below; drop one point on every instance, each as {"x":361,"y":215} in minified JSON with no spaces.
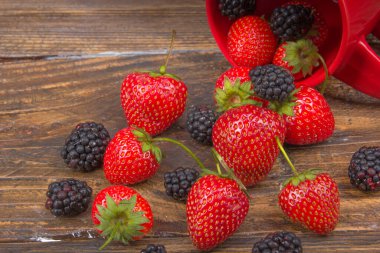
{"x":40,"y":102}
{"x":46,"y":28}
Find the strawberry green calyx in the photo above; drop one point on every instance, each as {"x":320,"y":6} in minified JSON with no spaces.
{"x":147,"y":143}
{"x":303,"y":176}
{"x":303,"y":56}
{"x":298,"y":177}
{"x":119,"y":221}
{"x":286,"y":107}
{"x":234,"y":94}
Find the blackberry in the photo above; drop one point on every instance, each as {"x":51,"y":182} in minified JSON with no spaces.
{"x":84,"y":148}
{"x":272,"y":82}
{"x":68,"y":197}
{"x":152,"y":248}
{"x":364,"y":168}
{"x":279,"y":242}
{"x":291,"y":22}
{"x":234,"y":9}
{"x":178,"y":182}
{"x":200,"y":120}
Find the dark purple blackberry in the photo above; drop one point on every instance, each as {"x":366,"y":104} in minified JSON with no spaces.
{"x":68,"y":197}
{"x":280,"y":242}
{"x":200,"y":120}
{"x":234,"y":9}
{"x":84,"y":148}
{"x":291,"y":22}
{"x":178,"y":182}
{"x":364,"y":169}
{"x":272,"y":82}
{"x":154,"y":248}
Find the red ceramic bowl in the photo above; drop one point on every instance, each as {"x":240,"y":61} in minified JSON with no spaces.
{"x":347,"y":54}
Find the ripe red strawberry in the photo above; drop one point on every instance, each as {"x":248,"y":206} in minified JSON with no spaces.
{"x":251,"y":42}
{"x":129,"y":160}
{"x":300,"y":57}
{"x":153,"y":101}
{"x":121,"y":214}
{"x":312,"y":200}
{"x":232,"y":74}
{"x":245,"y":138}
{"x":319,"y":30}
{"x":234,"y":88}
{"x":313,"y":121}
{"x":215,"y":208}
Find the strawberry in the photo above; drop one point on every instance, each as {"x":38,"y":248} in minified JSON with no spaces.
{"x":245,"y":138}
{"x":122,"y":214}
{"x":153,"y":101}
{"x":312,"y":200}
{"x":319,"y":30}
{"x":215,"y":209}
{"x":234,"y":88}
{"x":313,"y":121}
{"x":129,"y":159}
{"x":251,"y":42}
{"x":241,"y":73}
{"x":300,"y":57}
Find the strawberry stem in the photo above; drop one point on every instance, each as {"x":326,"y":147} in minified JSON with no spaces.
{"x":218,"y":168}
{"x":164,"y":139}
{"x":163,"y":67}
{"x":286,"y":156}
{"x":324,"y":84}
{"x":111,"y":237}
{"x":230,"y":173}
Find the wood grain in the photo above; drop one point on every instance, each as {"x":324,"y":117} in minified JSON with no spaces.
{"x":42,"y":100}
{"x":62,"y":62}
{"x":46,"y":28}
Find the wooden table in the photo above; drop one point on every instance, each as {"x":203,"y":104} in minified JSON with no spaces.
{"x":62,"y":62}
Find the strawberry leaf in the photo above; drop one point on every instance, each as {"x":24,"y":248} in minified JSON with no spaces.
{"x":302,"y":55}
{"x":146,"y":147}
{"x":296,"y":181}
{"x":157,"y":153}
{"x":234,"y":94}
{"x":118,"y":221}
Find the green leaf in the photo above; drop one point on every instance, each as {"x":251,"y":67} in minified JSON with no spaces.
{"x":157,"y":153}
{"x":295,"y":181}
{"x":310,"y":176}
{"x":138,"y":133}
{"x":173,"y":76}
{"x":287,"y":110}
{"x":146,"y":147}
{"x":111,"y":205}
{"x":301,"y":55}
{"x":234,"y":94}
